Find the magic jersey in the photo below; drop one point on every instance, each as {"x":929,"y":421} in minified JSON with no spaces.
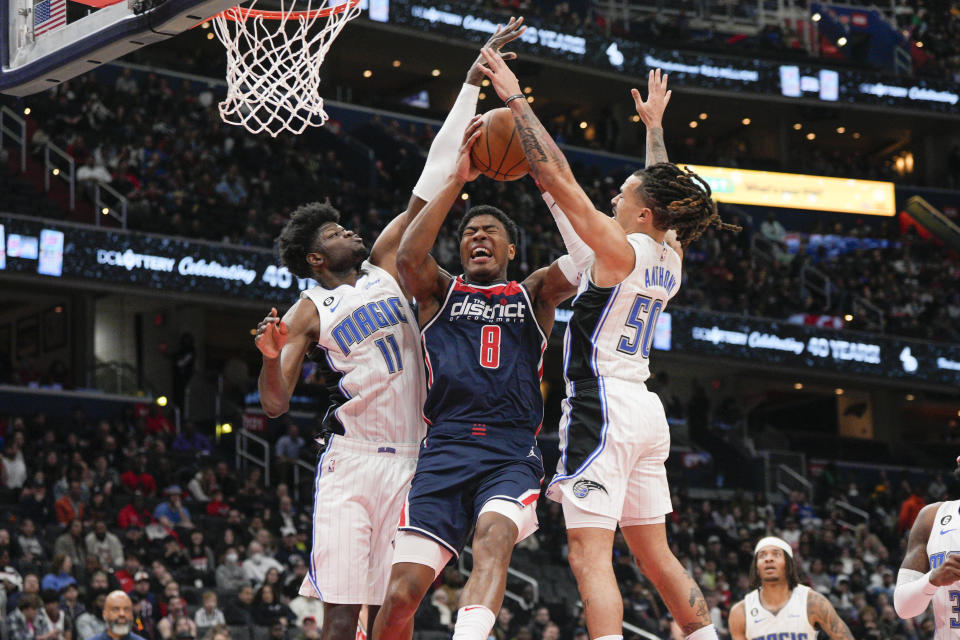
{"x":484,"y":356}
{"x":369,"y":335}
{"x":790,"y":623}
{"x":612,"y":329}
{"x":944,"y":541}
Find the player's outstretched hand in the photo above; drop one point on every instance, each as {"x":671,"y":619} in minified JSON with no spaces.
{"x":501,"y":37}
{"x":271,"y":335}
{"x":501,"y":77}
{"x":946,"y":573}
{"x":465,"y":169}
{"x":651,"y":110}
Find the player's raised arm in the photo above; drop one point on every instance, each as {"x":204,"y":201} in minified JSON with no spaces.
{"x":443,"y":150}
{"x":419,"y":273}
{"x":283,"y":344}
{"x":550,"y":168}
{"x":651,"y":113}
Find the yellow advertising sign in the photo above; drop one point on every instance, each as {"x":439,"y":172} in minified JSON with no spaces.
{"x":796,"y":191}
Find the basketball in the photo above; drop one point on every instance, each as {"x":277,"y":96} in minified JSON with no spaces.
{"x":497,"y":152}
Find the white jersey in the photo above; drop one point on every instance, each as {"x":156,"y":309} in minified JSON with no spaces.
{"x":371,"y":340}
{"x":945,"y":541}
{"x":612,"y":329}
{"x":790,"y":623}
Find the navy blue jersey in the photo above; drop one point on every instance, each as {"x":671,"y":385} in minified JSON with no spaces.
{"x":484,"y":356}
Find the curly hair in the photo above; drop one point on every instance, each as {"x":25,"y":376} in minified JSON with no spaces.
{"x":297,"y":238}
{"x":487,"y":210}
{"x":681,"y":200}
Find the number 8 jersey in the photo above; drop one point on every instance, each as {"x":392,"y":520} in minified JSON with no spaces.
{"x":612,"y":329}
{"x":369,"y":335}
{"x":484,"y":356}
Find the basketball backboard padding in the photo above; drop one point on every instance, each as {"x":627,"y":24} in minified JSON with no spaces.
{"x":85,"y":44}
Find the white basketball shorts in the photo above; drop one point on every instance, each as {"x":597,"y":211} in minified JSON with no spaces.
{"x":359,"y":491}
{"x":614,"y":440}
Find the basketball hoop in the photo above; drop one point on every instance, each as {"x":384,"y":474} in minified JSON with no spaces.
{"x":273,"y":77}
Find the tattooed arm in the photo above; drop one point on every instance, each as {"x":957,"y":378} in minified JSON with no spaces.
{"x":614,"y":254}
{"x":821,"y":612}
{"x":651,"y":113}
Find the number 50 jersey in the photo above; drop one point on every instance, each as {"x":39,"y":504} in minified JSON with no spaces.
{"x":369,"y":335}
{"x":484,"y":355}
{"x":612,"y":329}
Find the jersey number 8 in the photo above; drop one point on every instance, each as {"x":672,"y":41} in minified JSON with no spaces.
{"x":490,"y":346}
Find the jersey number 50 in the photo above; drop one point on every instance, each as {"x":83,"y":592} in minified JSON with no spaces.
{"x":643,"y":319}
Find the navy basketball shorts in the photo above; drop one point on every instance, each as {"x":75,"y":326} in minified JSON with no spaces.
{"x":464,"y":470}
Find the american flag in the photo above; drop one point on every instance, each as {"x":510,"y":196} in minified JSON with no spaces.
{"x":48,"y":15}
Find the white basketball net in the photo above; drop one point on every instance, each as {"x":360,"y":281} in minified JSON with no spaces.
{"x":273,"y":66}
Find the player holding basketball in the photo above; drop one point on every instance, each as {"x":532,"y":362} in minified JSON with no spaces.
{"x":930,"y":570}
{"x":778,"y":606}
{"x":479,"y":468}
{"x":361,"y":320}
{"x":614,"y":434}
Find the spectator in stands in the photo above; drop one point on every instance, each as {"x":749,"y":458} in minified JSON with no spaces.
{"x":239,"y":612}
{"x":288,"y":451}
{"x":157,"y":423}
{"x":191,"y":442}
{"x":176,"y":616}
{"x":60,"y":575}
{"x":171,"y":513}
{"x":909,"y":509}
{"x":13,"y":468}
{"x":71,"y":506}
{"x":35,"y":505}
{"x":202,"y":485}
{"x":28,"y":541}
{"x":231,"y":187}
{"x":257,"y":564}
{"x":218,"y":633}
{"x":105,"y":545}
{"x":91,"y":622}
{"x":209,"y":614}
{"x":134,"y":513}
{"x":70,"y":603}
{"x":268,"y":609}
{"x":138,"y":478}
{"x":309,"y":630}
{"x":25,"y":624}
{"x":230,"y":576}
{"x":53,"y":618}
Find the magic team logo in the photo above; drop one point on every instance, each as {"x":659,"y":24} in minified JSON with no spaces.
{"x":583,"y":487}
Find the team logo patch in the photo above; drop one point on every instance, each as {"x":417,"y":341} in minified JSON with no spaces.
{"x":582,"y":487}
{"x":328,"y":301}
{"x":946,"y":519}
{"x":754,"y":612}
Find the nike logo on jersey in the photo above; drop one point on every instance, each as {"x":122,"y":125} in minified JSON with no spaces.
{"x":334,"y":307}
{"x":944,"y":531}
{"x":366,"y":320}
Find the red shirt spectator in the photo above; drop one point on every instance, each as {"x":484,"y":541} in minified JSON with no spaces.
{"x":909,"y":510}
{"x":70,"y":506}
{"x":135,"y":513}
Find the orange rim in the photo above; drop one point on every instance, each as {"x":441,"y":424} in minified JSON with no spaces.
{"x":238,"y":14}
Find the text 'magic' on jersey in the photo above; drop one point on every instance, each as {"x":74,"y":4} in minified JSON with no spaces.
{"x":484,"y":357}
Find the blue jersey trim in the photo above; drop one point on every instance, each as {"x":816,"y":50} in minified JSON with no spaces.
{"x":312,"y":574}
{"x":603,"y":398}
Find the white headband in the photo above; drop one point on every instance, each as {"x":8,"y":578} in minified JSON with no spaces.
{"x":773,"y":541}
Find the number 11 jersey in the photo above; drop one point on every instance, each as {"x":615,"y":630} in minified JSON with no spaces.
{"x":612,"y":329}
{"x":484,"y":356}
{"x":371,"y":343}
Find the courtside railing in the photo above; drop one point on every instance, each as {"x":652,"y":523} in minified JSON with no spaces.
{"x":115,"y":208}
{"x":68,"y":174}
{"x":8,"y":119}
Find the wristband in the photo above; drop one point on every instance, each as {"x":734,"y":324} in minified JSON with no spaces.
{"x":516,"y":96}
